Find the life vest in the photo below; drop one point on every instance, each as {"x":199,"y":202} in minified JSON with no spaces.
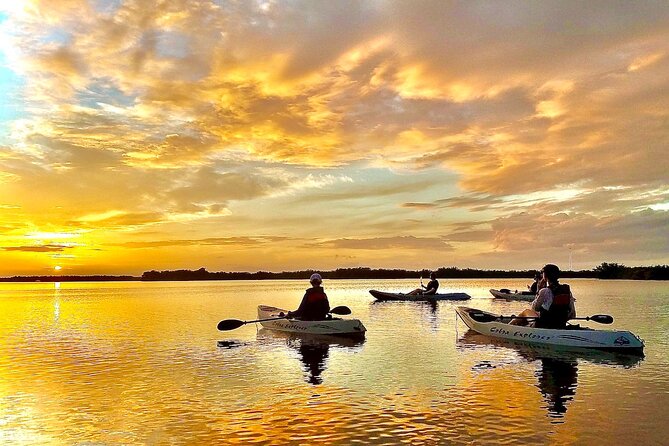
{"x":557,"y":314}
{"x":316,"y":305}
{"x":315,"y":294}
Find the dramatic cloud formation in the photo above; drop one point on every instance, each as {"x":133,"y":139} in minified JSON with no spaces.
{"x":312,"y":134}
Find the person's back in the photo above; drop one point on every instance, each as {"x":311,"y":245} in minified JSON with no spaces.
{"x":559,"y":309}
{"x":315,"y":305}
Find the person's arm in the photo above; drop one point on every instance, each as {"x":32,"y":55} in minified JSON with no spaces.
{"x":572,"y":307}
{"x":432,"y":287}
{"x":300,"y":309}
{"x":539,"y":300}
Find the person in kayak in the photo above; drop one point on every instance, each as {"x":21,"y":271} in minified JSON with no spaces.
{"x":431,"y":287}
{"x":534,"y":288}
{"x":315,"y":305}
{"x":554,"y":304}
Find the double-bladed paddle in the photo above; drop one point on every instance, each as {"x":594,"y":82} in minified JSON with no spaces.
{"x":231,"y":324}
{"x":599,"y":318}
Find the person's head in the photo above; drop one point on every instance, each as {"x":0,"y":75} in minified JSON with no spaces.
{"x":433,"y":275}
{"x":537,"y":276}
{"x":551,"y":272}
{"x":316,"y":279}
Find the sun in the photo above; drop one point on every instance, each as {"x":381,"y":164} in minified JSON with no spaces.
{"x":57,"y":267}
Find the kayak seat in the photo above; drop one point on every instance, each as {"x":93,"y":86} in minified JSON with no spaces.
{"x":576,"y":327}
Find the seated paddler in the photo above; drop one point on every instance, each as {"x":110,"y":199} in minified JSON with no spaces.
{"x":315,"y":305}
{"x":429,"y":289}
{"x":554,"y":304}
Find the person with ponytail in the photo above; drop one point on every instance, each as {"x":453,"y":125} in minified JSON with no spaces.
{"x":554,"y":304}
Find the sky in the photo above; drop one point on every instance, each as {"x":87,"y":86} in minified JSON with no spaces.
{"x":285,"y":135}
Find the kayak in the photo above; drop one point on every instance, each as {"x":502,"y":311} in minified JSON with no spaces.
{"x":382,"y":295}
{"x":507,"y":294}
{"x":334,"y":326}
{"x":532,"y":352}
{"x":610,"y":340}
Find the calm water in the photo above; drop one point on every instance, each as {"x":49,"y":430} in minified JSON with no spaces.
{"x":138,"y":363}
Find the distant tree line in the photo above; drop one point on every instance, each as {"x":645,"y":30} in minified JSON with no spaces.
{"x":618,"y":271}
{"x":603,"y":271}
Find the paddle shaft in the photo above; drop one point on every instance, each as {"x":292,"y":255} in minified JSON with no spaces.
{"x":588,"y":318}
{"x":599,"y":318}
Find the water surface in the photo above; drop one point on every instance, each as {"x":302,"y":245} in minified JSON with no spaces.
{"x":141,"y":363}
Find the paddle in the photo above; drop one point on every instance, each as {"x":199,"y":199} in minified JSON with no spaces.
{"x":599,"y":318}
{"x":231,"y":324}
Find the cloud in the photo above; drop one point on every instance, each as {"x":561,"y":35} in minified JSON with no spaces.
{"x":240,"y":242}
{"x":618,"y":234}
{"x":381,"y":243}
{"x":266,"y":115}
{"x":37,"y":248}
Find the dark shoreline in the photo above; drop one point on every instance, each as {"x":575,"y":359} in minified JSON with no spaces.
{"x":604,"y":271}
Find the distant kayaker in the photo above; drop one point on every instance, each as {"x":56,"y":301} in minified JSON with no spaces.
{"x":534,"y":288}
{"x":315,"y":305}
{"x":554,"y":304}
{"x":431,"y":287}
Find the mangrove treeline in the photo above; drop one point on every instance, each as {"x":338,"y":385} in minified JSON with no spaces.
{"x":603,"y":271}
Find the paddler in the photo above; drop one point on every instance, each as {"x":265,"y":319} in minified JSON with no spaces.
{"x":315,"y":305}
{"x":429,"y":289}
{"x":554,"y":304}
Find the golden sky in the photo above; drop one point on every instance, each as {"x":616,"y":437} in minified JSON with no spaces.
{"x":281,"y":135}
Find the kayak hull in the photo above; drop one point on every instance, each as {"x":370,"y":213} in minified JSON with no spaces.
{"x":524,"y":296}
{"x":608,"y":340}
{"x":333,"y":327}
{"x":384,"y":296}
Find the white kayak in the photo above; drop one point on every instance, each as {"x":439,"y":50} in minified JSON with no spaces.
{"x":507,"y":294}
{"x":382,"y":295}
{"x":609,"y":340}
{"x":333,"y":327}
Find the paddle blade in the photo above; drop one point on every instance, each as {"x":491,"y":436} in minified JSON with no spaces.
{"x":341,"y":310}
{"x":229,"y":324}
{"x":602,"y":318}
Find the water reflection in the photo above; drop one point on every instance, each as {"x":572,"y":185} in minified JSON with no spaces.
{"x":557,"y":375}
{"x":313,"y":350}
{"x":313,"y":357}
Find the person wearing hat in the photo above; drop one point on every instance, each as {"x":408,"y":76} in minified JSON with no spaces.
{"x":315,"y":305}
{"x":554,"y":304}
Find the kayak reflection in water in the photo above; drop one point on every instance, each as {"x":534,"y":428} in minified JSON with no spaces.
{"x":557,"y":382}
{"x":431,"y":287}
{"x":314,"y":358}
{"x":315,"y":305}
